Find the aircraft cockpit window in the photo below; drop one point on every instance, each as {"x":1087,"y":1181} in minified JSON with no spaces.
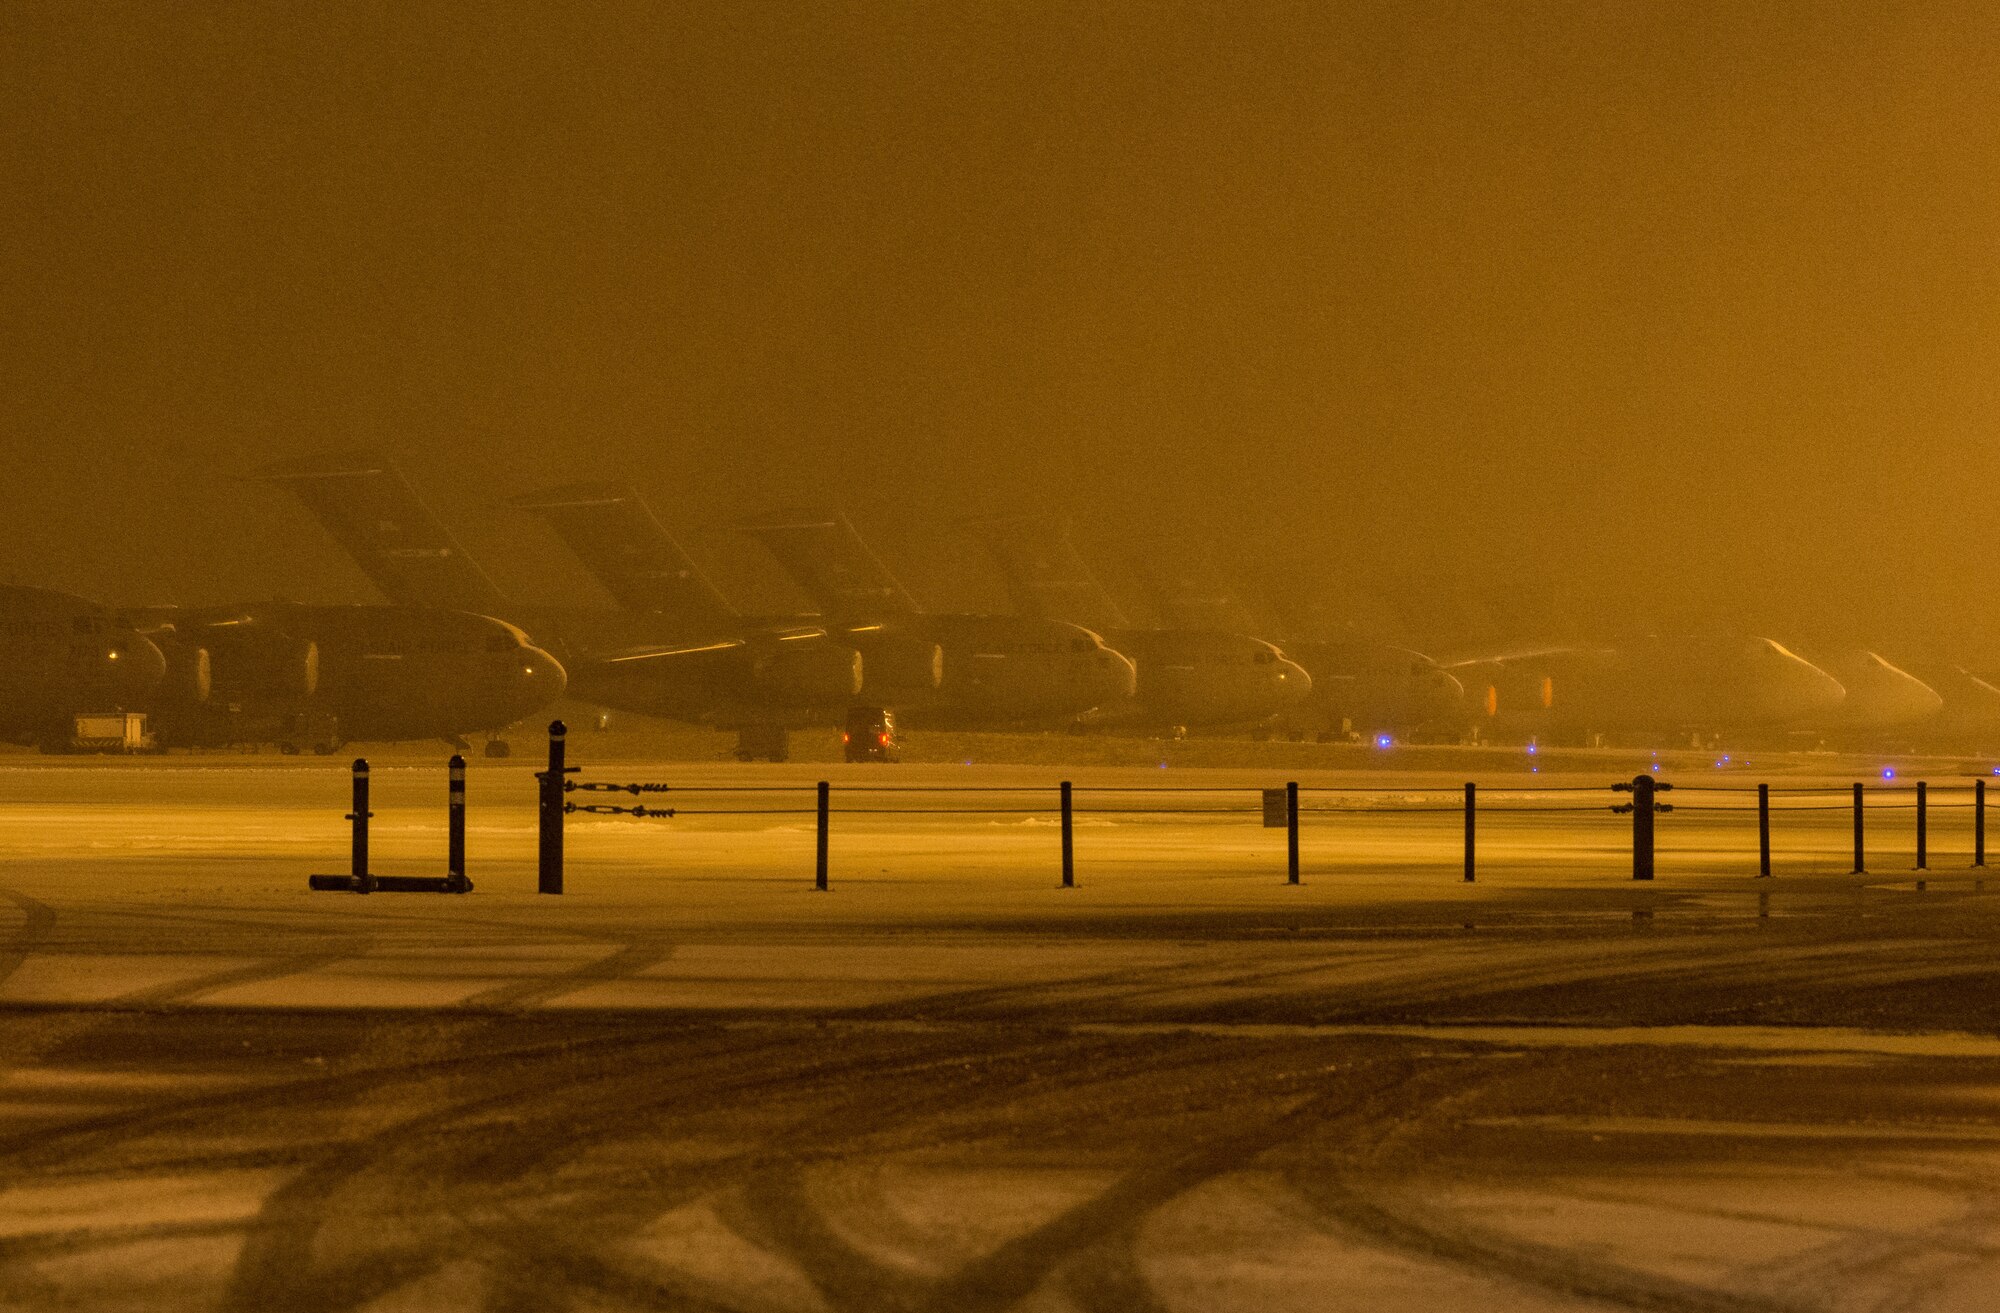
{"x":500,"y":643}
{"x":1080,"y":645}
{"x":1266,"y":658}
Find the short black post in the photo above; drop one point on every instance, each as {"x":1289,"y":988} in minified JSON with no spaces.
{"x":1068,"y":840}
{"x":363,"y":881}
{"x":819,"y":879}
{"x":1860,"y":853}
{"x":1979,"y":822}
{"x":1923,"y":825}
{"x":1763,"y":830}
{"x":1642,"y":827}
{"x":1292,"y":832}
{"x":1471,"y":795}
{"x":550,"y":879}
{"x":454,"y":811}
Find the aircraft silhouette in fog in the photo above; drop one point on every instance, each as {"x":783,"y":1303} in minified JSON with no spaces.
{"x":268,"y":673}
{"x":999,"y":670}
{"x":623,"y":544}
{"x":1881,"y":696}
{"x":62,"y":656}
{"x":319,"y":676}
{"x":1672,"y":684}
{"x":932,"y":669}
{"x":1362,"y":685}
{"x":758,"y":682}
{"x":1187,"y":676}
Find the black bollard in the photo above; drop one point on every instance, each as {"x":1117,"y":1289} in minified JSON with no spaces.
{"x":1860,"y":854}
{"x":1979,"y":822}
{"x":1764,"y":830}
{"x":819,"y":879}
{"x":358,"y":877}
{"x":550,"y":863}
{"x":363,"y":881}
{"x":1471,"y":794}
{"x":1923,"y":824}
{"x":1642,"y":827}
{"x":1292,"y":832}
{"x":454,"y":811}
{"x":1068,"y":840}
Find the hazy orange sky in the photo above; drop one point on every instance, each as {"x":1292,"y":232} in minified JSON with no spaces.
{"x":1498,"y":294}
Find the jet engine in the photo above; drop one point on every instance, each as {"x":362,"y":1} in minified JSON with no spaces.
{"x":254,"y":663}
{"x":898,"y":662}
{"x":805,"y":670}
{"x":189,"y":679}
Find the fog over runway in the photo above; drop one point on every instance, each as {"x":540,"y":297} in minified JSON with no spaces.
{"x":694,"y":1082}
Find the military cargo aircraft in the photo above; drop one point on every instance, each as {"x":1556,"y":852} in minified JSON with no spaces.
{"x":62,"y":656}
{"x":624,"y":545}
{"x":756,"y":682}
{"x":1363,"y":686}
{"x":999,"y":670}
{"x":1881,"y":696}
{"x":1654,"y":685}
{"x":319,"y":676}
{"x":1187,"y":677}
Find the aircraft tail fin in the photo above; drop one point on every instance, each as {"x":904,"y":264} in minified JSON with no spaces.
{"x":1196,"y":596}
{"x":621,"y":542}
{"x":372,"y":511}
{"x":825,"y":556}
{"x":1046,"y":576}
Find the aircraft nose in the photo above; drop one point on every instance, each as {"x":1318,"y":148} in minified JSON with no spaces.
{"x":543,"y":678}
{"x":1117,"y":677}
{"x":1443,"y":693}
{"x":1814,"y":690}
{"x":1293,"y":681}
{"x":134,"y":663}
{"x":1918,"y":700}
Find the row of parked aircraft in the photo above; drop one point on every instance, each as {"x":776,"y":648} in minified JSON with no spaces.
{"x":449,"y":655}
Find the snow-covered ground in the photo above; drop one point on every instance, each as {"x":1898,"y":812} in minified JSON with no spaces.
{"x":693,"y":1081}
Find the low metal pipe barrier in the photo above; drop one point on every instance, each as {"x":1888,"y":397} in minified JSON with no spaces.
{"x":1285,"y":806}
{"x":361,"y":877}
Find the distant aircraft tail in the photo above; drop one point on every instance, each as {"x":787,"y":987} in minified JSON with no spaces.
{"x":1046,"y":578}
{"x":372,"y":511}
{"x":826,"y":557}
{"x":620,"y":541}
{"x":1197,"y":597}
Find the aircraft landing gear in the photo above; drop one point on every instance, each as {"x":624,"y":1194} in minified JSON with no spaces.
{"x":771,"y":741}
{"x":499,"y":748}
